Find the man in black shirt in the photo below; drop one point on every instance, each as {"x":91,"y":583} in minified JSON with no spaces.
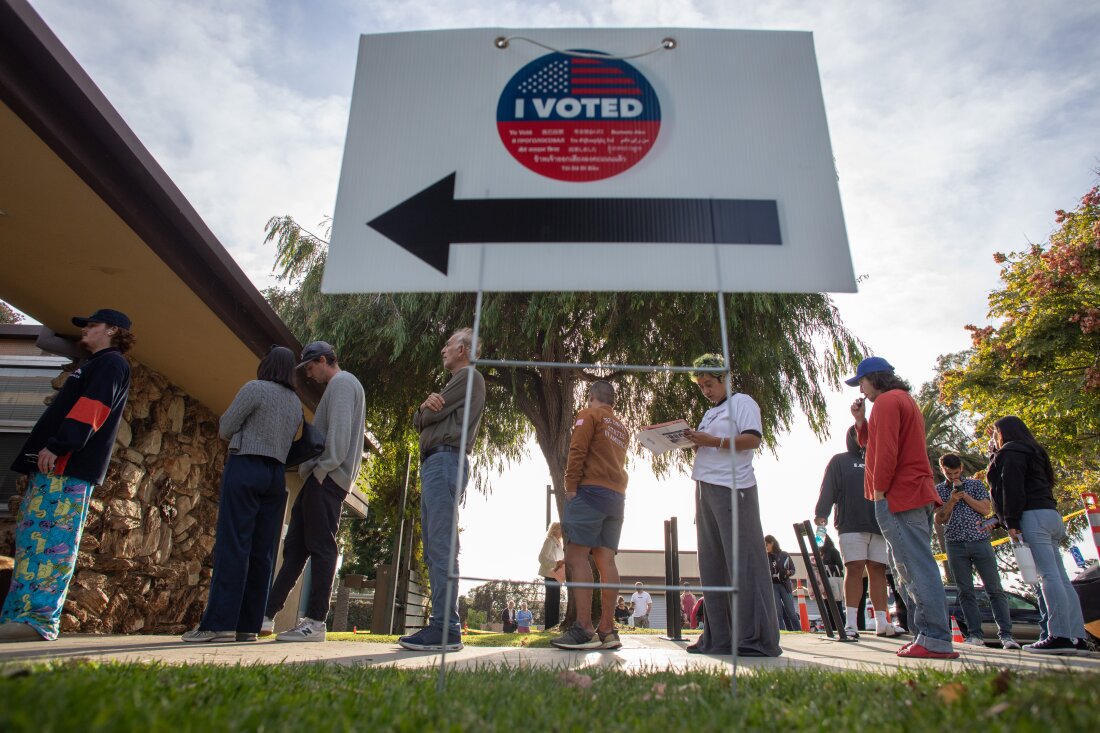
{"x":65,"y":458}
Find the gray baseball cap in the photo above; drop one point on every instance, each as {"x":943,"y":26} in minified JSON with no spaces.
{"x":314,"y":351}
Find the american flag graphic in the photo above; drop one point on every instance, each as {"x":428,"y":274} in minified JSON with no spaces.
{"x":579,"y":76}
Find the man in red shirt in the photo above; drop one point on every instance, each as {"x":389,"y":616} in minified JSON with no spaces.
{"x":898,"y":479}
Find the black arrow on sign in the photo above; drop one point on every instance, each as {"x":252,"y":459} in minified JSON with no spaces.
{"x":428,"y":223}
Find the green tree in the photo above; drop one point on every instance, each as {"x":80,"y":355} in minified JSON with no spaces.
{"x":1040,"y":359}
{"x":9,"y":315}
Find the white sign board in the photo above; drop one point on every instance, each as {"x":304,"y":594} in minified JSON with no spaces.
{"x":553,"y":162}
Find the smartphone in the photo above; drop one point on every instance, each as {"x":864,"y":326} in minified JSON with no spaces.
{"x":989,"y":524}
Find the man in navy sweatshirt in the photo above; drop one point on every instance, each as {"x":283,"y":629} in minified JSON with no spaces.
{"x":65,"y":458}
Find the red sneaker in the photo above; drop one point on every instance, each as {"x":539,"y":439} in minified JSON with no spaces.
{"x":919,"y":651}
{"x":904,"y":647}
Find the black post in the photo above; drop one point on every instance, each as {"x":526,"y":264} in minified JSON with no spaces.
{"x":673,"y":625}
{"x":830,"y":614}
{"x":549,"y":493}
{"x":668,"y":576}
{"x":675,"y":631}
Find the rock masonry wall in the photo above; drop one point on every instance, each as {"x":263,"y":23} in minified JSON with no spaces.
{"x":147,"y":552}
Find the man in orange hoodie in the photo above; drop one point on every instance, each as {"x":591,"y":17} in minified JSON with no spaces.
{"x":595,"y":492}
{"x":898,"y":479}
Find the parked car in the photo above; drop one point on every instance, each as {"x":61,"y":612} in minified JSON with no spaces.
{"x":1024,"y":613}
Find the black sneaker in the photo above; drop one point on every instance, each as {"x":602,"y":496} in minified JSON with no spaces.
{"x":577,"y":638}
{"x":1052,"y":645}
{"x":431,"y":640}
{"x":1082,"y":646}
{"x":610,"y":640}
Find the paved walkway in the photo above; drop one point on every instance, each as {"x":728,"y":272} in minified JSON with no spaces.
{"x":639,"y":653}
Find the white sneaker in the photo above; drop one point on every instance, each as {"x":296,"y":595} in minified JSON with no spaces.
{"x":851,"y":633}
{"x":306,"y":630}
{"x":887,"y":630}
{"x":267,"y":628}
{"x":975,"y":641}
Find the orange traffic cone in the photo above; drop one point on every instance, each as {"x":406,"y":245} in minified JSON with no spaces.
{"x":803,"y":611}
{"x":956,"y":633}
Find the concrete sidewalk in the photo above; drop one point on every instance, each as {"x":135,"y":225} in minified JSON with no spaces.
{"x":640,"y":653}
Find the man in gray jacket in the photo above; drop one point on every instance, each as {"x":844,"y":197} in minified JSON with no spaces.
{"x":439,"y":420}
{"x":315,"y":518}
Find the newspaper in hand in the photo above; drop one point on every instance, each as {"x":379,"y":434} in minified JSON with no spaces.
{"x":665,"y":437}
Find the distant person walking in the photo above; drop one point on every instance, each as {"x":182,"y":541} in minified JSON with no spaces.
{"x":315,"y":517}
{"x":898,"y":478}
{"x":782,"y":568}
{"x":508,"y":618}
{"x":552,"y":570}
{"x":439,"y":420}
{"x":643,"y":604}
{"x":687,"y":602}
{"x":717,"y":481}
{"x":1022,"y":479}
{"x":260,"y":425}
{"x":65,"y":457}
{"x":524,"y":618}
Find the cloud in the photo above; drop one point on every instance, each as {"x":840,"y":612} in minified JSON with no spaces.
{"x":957,"y":129}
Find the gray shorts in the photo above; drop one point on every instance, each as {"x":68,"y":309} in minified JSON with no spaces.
{"x":589,"y":527}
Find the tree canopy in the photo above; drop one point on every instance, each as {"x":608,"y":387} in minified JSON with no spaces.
{"x":1040,"y":359}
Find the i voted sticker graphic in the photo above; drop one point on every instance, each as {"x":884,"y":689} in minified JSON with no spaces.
{"x":578,"y":118}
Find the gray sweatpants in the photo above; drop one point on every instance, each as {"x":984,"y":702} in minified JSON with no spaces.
{"x":758,"y":625}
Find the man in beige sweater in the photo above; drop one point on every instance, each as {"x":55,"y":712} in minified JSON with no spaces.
{"x":595,"y":491}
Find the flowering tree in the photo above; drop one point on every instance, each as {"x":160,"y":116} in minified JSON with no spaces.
{"x":9,"y":314}
{"x":1042,"y":361}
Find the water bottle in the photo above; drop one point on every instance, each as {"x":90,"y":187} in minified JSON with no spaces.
{"x":819,"y":536}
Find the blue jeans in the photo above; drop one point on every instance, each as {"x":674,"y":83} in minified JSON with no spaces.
{"x":785,"y":608}
{"x":966,"y":557}
{"x":1043,"y":529}
{"x":438,"y":476}
{"x":909,"y":535}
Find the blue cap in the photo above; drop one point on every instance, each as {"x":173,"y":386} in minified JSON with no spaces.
{"x":868,"y":366}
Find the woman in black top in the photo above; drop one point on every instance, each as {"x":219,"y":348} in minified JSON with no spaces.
{"x":1021,"y":481}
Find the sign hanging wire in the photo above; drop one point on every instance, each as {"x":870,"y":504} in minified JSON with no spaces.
{"x":667,"y":44}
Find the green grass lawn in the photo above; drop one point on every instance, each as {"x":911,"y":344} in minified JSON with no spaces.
{"x":534,"y":640}
{"x":92,"y":697}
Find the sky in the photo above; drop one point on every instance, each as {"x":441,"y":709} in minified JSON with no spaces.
{"x":958,"y":129}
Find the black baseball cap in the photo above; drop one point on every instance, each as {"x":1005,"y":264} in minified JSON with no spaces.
{"x":314,"y":351}
{"x":104,"y":315}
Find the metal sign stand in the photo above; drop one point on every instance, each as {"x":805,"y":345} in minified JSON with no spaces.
{"x":452,"y":574}
{"x":826,"y":603}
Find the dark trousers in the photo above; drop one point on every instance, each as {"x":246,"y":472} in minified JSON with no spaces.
{"x":311,"y":535}
{"x":250,"y":514}
{"x":553,"y":603}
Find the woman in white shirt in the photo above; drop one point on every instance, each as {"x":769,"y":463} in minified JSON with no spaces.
{"x":552,"y":570}
{"x":715,"y":477}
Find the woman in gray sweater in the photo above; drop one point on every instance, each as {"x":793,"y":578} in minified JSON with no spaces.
{"x":260,"y":426}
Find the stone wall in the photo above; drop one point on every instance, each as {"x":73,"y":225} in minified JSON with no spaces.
{"x":147,"y":551}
